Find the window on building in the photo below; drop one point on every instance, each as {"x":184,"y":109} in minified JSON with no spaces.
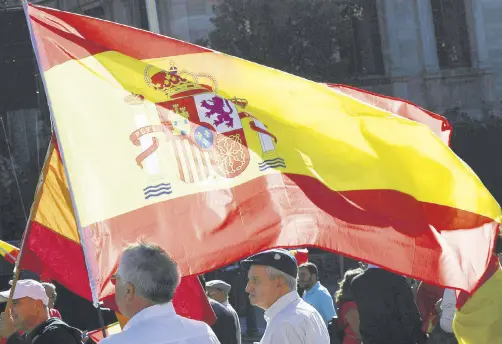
{"x":359,"y":37}
{"x":96,"y":12}
{"x":452,"y":36}
{"x":143,"y":15}
{"x":196,"y":7}
{"x":17,"y":63}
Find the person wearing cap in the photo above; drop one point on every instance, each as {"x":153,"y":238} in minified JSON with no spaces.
{"x":315,"y":294}
{"x":272,"y":286}
{"x":50,"y":290}
{"x":29,"y":314}
{"x":218,"y":290}
{"x":225,"y":327}
{"x":145,"y":283}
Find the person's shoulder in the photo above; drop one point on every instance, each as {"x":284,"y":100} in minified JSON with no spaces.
{"x":114,"y":339}
{"x":323,"y":291}
{"x":301,"y":310}
{"x":56,"y":335}
{"x":298,"y":316}
{"x":219,"y":309}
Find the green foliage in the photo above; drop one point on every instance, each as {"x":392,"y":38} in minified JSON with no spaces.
{"x":302,"y":37}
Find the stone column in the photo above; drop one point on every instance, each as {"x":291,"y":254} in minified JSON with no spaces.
{"x":477,"y":34}
{"x":389,"y":33}
{"x":427,"y":36}
{"x":389,"y":28}
{"x":479,"y":51}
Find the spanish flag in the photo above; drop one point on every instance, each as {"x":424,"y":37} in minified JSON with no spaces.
{"x":53,"y":247}
{"x":215,"y":158}
{"x":8,"y":251}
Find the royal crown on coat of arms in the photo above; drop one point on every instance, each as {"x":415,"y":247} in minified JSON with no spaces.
{"x":176,"y":84}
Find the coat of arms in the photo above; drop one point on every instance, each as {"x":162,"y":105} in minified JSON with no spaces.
{"x":205,"y":130}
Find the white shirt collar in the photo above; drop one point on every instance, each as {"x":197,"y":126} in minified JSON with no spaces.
{"x":165,"y":309}
{"x":280,"y":304}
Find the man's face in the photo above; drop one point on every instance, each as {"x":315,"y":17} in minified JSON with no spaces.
{"x":122,"y":294}
{"x":305,"y":279}
{"x":24,"y":311}
{"x":51,"y":294}
{"x":215,"y":294}
{"x":263,"y":291}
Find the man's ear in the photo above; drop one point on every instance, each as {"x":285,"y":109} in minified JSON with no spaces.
{"x":130,"y":291}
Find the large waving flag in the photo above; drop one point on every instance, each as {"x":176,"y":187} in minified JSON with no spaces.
{"x":216,"y":158}
{"x":52,"y":246}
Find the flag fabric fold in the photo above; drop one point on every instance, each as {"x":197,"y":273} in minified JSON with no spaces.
{"x":52,"y":246}
{"x":216,"y":158}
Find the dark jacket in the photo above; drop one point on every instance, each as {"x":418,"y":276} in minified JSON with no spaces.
{"x":52,"y":331}
{"x":225,"y":327}
{"x":387,"y":310}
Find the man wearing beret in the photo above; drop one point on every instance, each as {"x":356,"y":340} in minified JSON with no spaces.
{"x":218,"y":290}
{"x":272,"y":286}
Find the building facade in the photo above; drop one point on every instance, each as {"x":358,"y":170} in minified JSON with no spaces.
{"x":440,"y":54}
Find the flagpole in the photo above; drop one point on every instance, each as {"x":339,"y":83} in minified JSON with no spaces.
{"x":92,"y":284}
{"x":34,"y":206}
{"x":101,"y":320}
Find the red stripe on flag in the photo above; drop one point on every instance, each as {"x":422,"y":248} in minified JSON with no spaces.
{"x":56,"y":257}
{"x":66,"y":36}
{"x":369,"y":225}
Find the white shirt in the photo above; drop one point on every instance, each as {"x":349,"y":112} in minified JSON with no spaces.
{"x":160,"y":324}
{"x":236,"y":318}
{"x":448,"y":309}
{"x":290,"y":320}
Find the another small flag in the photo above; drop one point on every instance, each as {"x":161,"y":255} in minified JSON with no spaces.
{"x":301,"y":255}
{"x":8,"y":251}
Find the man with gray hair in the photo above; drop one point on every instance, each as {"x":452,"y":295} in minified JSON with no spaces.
{"x":272,"y":286}
{"x":50,"y":290}
{"x":145,"y":282}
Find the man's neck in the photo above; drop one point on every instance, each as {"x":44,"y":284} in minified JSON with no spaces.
{"x":282,"y":294}
{"x":311,"y":286}
{"x":36,"y":323}
{"x":139,"y":306}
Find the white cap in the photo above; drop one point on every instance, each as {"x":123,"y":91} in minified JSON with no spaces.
{"x":27,"y":288}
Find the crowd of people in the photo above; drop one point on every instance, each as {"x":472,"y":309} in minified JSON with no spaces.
{"x":371,"y":306}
